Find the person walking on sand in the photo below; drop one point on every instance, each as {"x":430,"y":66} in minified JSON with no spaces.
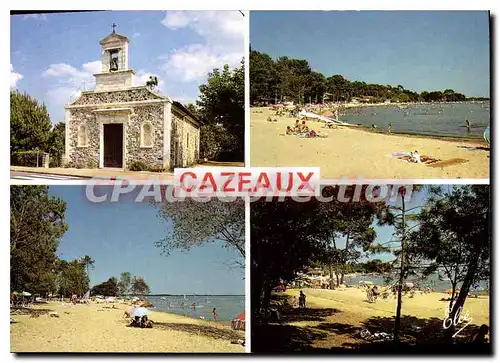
{"x":302,"y":300}
{"x":214,"y":313}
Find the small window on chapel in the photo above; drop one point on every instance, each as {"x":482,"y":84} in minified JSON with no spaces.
{"x":147,"y":135}
{"x":82,"y":136}
{"x":113,"y":60}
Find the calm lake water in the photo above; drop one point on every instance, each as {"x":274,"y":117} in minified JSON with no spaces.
{"x":425,"y":119}
{"x":228,"y":307}
{"x":433,"y":281}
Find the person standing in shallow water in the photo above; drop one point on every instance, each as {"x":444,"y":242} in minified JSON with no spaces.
{"x":214,"y":313}
{"x":467,"y":124}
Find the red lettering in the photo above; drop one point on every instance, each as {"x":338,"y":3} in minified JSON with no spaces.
{"x":229,"y":180}
{"x":183,"y":176}
{"x":259,"y":185}
{"x":242,"y":181}
{"x":208,"y":177}
{"x":304,"y":181}
{"x":278,"y":183}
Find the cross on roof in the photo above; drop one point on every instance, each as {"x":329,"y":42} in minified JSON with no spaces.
{"x":113,"y":26}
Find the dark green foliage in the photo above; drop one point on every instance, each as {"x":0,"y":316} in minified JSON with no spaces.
{"x":222,"y":102}
{"x":36,"y":227}
{"x":288,"y":79}
{"x":56,"y":146}
{"x":195,"y":223}
{"x":138,"y":165}
{"x":139,"y":286}
{"x":26,"y":158}
{"x":107,"y":288}
{"x":72,"y":278}
{"x":31,"y":130}
{"x":29,"y":123}
{"x":216,"y":143}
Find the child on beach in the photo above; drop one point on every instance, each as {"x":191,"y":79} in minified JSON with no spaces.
{"x":214,"y":313}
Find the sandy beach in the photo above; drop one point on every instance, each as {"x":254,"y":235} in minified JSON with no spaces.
{"x":354,"y":153}
{"x":334,"y":318}
{"x":94,"y":328}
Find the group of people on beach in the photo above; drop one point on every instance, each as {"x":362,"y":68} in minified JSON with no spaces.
{"x":301,"y":129}
{"x":141,"y":322}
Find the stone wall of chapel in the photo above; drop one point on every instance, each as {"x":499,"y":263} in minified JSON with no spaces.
{"x":88,"y":156}
{"x":152,"y":156}
{"x":185,"y":140}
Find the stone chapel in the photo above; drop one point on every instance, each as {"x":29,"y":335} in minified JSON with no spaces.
{"x":118,"y":123}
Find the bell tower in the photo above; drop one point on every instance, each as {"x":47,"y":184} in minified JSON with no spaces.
{"x":115,"y":74}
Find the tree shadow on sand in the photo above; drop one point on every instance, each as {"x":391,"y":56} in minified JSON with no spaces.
{"x":418,"y":336}
{"x":307,"y":314}
{"x":205,"y":330}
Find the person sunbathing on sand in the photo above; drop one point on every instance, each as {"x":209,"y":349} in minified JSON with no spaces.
{"x":296,"y":127}
{"x":415,"y":157}
{"x":289,"y":130}
{"x":303,"y":127}
{"x":145,"y":322}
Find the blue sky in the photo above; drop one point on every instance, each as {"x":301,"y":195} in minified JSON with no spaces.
{"x":419,"y":50}
{"x":54,"y":55}
{"x":384,"y":233}
{"x":120,"y":237}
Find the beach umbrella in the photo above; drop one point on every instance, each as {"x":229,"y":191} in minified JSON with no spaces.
{"x":486,"y":134}
{"x":140,"y":312}
{"x":25,"y":293}
{"x":239,"y":322}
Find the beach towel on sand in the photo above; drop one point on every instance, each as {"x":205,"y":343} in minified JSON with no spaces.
{"x":449,"y":162}
{"x":405,"y":156}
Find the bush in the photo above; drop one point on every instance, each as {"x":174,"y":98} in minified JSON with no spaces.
{"x":217,"y":144}
{"x":26,"y":158}
{"x":138,"y":165}
{"x":156,"y":169}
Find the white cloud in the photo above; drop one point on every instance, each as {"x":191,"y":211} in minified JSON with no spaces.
{"x":141,"y":77}
{"x":222,"y":43}
{"x":136,"y":35}
{"x":70,"y":81}
{"x":208,"y":24}
{"x":36,"y":16}
{"x":195,"y":61}
{"x":14,"y":77}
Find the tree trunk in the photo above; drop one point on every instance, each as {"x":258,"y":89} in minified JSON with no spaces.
{"x":331,"y":277}
{"x":453,"y":288}
{"x":464,"y":291}
{"x":397,"y":322}
{"x":344,"y":259}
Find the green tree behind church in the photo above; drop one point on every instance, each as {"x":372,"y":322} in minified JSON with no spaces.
{"x":31,"y":131}
{"x":222,"y":105}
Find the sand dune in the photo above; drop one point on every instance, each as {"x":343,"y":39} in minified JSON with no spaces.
{"x":93,"y":328}
{"x":354,"y":153}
